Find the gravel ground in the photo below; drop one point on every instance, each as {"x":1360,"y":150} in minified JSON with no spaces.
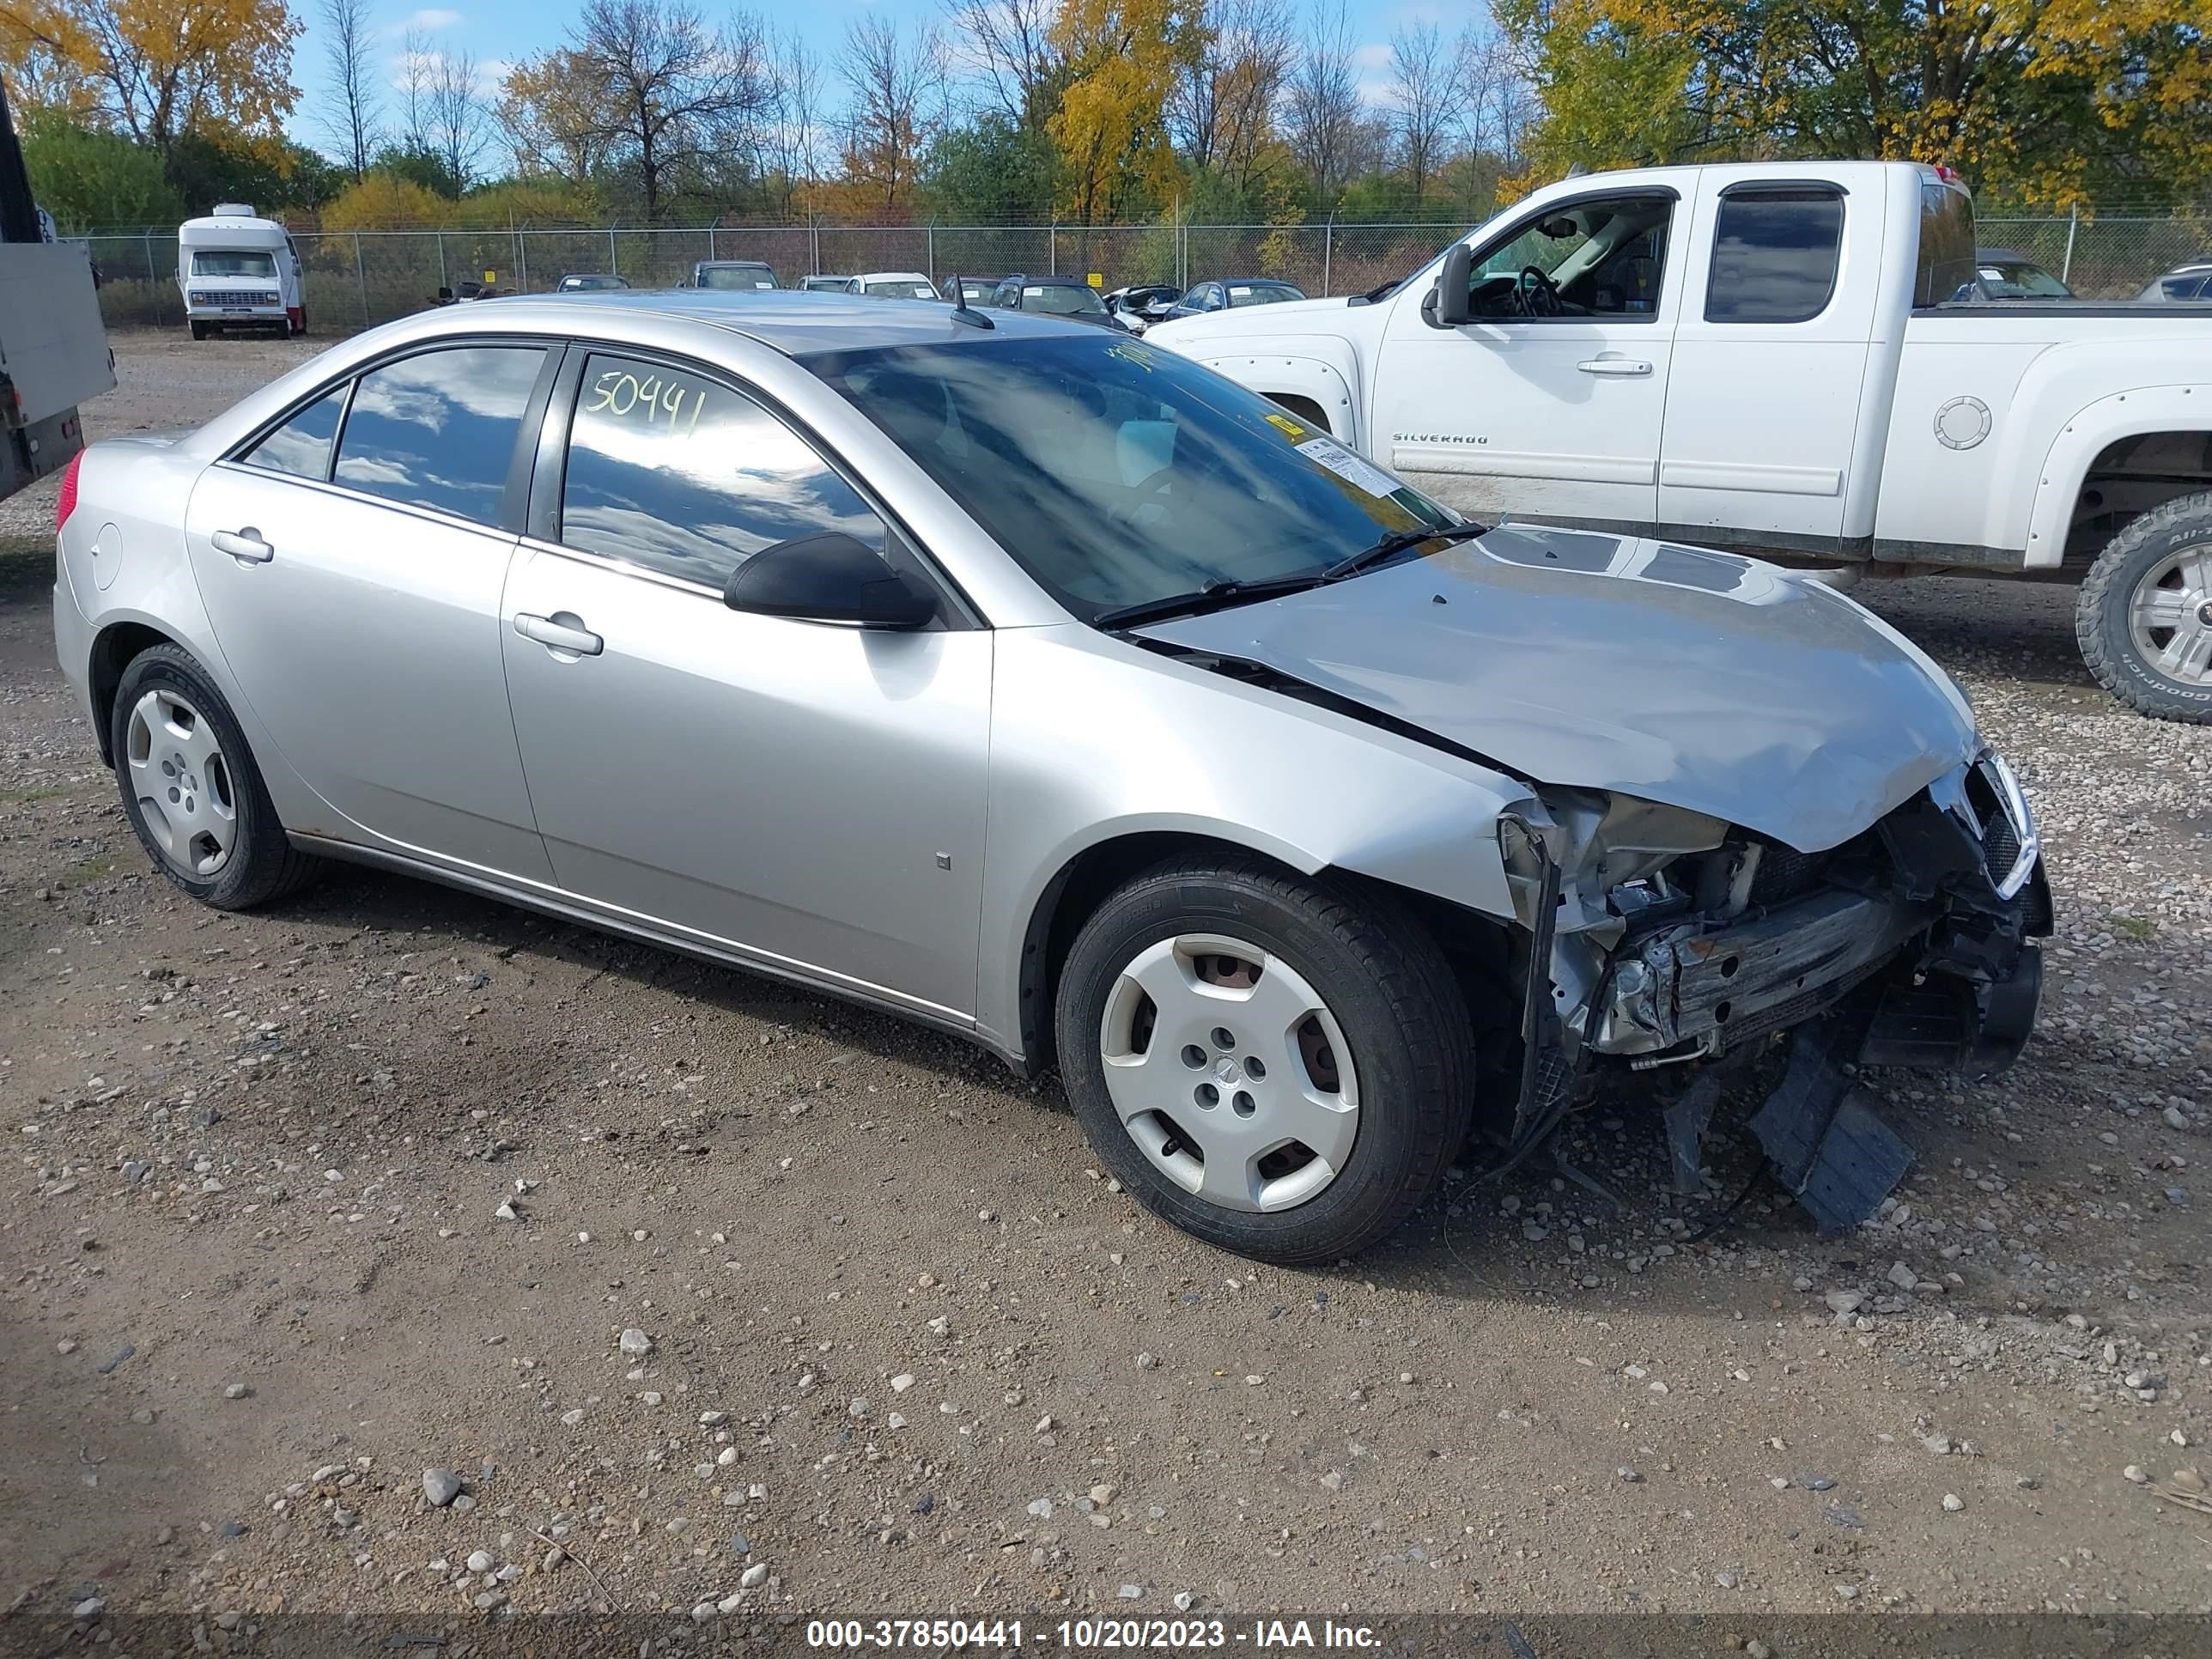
{"x":722,"y":1305}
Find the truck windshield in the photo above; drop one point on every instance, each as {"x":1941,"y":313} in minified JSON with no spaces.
{"x":234,"y":262}
{"x":740,"y":276}
{"x":1117,"y":474}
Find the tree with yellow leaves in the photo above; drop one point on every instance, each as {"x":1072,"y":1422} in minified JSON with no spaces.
{"x":2048,"y":100}
{"x":158,"y":71}
{"x":1111,"y":129}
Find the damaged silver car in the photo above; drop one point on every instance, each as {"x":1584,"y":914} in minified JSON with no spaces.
{"x":1050,"y":690}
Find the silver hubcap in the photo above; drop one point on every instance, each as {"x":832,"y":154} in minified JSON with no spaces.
{"x":1230,"y":1073}
{"x":2171,"y":617}
{"x":181,"y":782}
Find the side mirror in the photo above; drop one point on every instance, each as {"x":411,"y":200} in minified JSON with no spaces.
{"x":829,"y":578}
{"x":1446,"y":305}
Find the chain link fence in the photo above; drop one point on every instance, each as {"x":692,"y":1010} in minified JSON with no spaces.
{"x":2103,"y":258}
{"x":355,"y":279}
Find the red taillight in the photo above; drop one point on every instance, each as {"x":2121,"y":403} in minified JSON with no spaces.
{"x":65,"y":502}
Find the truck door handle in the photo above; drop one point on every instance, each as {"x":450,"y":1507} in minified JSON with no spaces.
{"x":559,"y":636}
{"x":1625,"y":367}
{"x":245,"y":545}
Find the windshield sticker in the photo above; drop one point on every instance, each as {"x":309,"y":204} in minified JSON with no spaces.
{"x":1289,"y":427}
{"x":1240,"y":292}
{"x":1359,"y":473}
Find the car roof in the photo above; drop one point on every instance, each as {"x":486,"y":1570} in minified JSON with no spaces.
{"x":2003,"y":255}
{"x":749,"y":264}
{"x":1053,"y":282}
{"x":1270,"y":281}
{"x":786,"y":320}
{"x":894,"y":276}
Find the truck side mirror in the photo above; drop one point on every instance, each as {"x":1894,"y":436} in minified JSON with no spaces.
{"x":1446,"y":305}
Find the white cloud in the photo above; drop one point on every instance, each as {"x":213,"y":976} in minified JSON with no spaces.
{"x":431,"y":19}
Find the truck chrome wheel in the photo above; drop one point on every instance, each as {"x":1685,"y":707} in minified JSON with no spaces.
{"x":178,"y":775}
{"x":2170,"y":616}
{"x":1230,"y":1073}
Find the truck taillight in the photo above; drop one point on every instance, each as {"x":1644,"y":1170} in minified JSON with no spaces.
{"x":65,"y":501}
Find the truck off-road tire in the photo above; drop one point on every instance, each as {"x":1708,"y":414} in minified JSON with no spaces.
{"x":1279,"y":1066}
{"x":191,"y":791}
{"x":199,"y":331}
{"x":2144,"y":617}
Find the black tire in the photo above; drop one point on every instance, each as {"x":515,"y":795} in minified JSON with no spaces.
{"x":1387,"y":986}
{"x":199,"y":331}
{"x":263,"y":865}
{"x":2101,"y":611}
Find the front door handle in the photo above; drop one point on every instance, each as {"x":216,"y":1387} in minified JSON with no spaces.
{"x":1625,"y":367}
{"x":558,"y":635}
{"x":245,"y":545}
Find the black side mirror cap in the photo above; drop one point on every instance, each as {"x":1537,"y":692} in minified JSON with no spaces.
{"x":1446,"y":305}
{"x":829,"y":578}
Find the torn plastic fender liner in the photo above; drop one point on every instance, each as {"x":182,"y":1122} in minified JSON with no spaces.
{"x":1829,"y":1147}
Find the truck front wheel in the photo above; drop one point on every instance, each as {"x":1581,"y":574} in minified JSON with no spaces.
{"x":199,"y":331}
{"x":2144,"y":617}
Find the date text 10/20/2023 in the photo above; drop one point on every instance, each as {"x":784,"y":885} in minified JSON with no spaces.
{"x":1087,"y":1635}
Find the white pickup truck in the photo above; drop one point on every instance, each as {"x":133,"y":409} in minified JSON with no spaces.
{"x":1783,"y":359}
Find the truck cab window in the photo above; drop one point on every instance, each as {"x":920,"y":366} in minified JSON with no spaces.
{"x":1595,"y":258}
{"x":1774,"y":253}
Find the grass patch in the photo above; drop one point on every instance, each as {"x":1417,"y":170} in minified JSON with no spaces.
{"x":2137,"y":928}
{"x":26,"y":797}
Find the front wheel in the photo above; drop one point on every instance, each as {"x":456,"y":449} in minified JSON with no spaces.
{"x":1277,"y":1067}
{"x":2144,"y":617}
{"x":199,"y":331}
{"x":190,"y":788}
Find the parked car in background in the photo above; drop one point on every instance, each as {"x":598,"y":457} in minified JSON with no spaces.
{"x":2190,"y":281}
{"x":588,"y":282}
{"x":744,"y":275}
{"x":1085,"y":706}
{"x":2006,"y":273}
{"x":237,"y":270}
{"x":1789,"y":360}
{"x":1142,"y":304}
{"x":1233,"y":294}
{"x":895,"y":285}
{"x":976,"y":290}
{"x":1057,"y":296}
{"x":822,"y":282}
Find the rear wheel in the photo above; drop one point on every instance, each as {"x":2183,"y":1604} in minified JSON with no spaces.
{"x":2144,"y":617}
{"x":1275,"y":1065}
{"x":190,"y":788}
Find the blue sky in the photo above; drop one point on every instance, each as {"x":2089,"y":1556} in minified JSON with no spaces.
{"x":499,"y":32}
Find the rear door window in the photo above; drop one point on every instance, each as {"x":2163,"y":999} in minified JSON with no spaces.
{"x":1775,"y":254}
{"x":301,"y":448}
{"x":439,"y":429}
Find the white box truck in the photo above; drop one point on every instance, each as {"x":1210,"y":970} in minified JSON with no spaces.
{"x":53,"y":348}
{"x":239,"y":271}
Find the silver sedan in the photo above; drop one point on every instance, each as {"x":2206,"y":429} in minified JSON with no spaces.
{"x":1023,"y":679}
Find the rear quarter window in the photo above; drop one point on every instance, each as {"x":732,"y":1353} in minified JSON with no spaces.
{"x":1946,"y":264}
{"x":1774,"y":253}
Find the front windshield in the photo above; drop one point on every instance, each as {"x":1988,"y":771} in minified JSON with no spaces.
{"x":234,"y":262}
{"x":1116,"y":473}
{"x":2008,"y":281}
{"x":737,"y":276}
{"x":901,"y":288}
{"x":1261,"y":294}
{"x":1062,"y":299}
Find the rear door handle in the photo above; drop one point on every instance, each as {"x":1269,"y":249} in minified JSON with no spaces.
{"x":550,"y":631}
{"x":1627,"y":366}
{"x":245,"y":545}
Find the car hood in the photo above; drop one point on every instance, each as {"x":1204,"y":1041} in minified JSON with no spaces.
{"x":1284,"y":317}
{"x":1702,"y":680}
